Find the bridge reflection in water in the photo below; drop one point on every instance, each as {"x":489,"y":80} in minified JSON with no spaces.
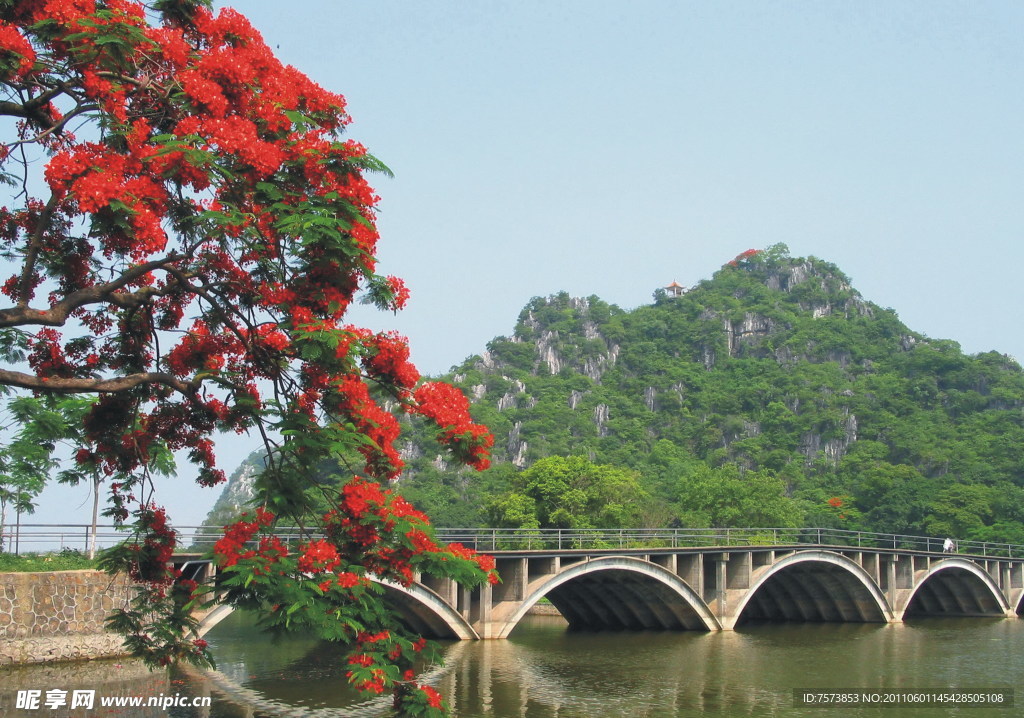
{"x":712,"y":588}
{"x":546,"y":672}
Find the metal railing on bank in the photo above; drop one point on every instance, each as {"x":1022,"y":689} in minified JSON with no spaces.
{"x":25,"y":538}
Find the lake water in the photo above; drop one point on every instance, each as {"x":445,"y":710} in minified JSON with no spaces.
{"x":545,"y":671}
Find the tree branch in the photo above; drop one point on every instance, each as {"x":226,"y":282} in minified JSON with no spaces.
{"x":32,"y":252}
{"x":58,"y":314}
{"x":32,"y":109}
{"x":86,"y":386}
{"x":57,"y":127}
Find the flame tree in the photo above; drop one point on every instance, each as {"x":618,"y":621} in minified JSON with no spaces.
{"x":184,"y":234}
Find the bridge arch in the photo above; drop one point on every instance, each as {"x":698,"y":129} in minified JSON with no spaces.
{"x":814,"y":586}
{"x":618,"y":592}
{"x":425,"y":612}
{"x":956,"y":587}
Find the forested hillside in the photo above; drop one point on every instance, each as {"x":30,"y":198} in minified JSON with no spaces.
{"x":772,"y":393}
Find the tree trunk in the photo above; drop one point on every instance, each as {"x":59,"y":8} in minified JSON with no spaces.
{"x":95,"y":514}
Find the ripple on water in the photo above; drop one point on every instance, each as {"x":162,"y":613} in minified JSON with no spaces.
{"x":544,"y":671}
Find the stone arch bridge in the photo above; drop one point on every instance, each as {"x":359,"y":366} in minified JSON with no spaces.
{"x":710,"y":588}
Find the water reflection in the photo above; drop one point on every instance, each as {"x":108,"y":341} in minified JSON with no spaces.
{"x":544,"y":671}
{"x":111,"y":679}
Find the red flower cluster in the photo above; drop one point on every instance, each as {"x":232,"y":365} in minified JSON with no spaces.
{"x":448,"y":406}
{"x":433,"y":697}
{"x":319,"y":557}
{"x":421,"y":543}
{"x":16,"y":53}
{"x":47,"y":356}
{"x":353,"y":402}
{"x":743,"y":256}
{"x":152,"y":556}
{"x":232,"y":546}
{"x":201,"y":350}
{"x":102,"y":181}
{"x":484,"y":561}
{"x":399,"y":292}
{"x":837,"y":503}
{"x":385,"y":534}
{"x":389,"y":360}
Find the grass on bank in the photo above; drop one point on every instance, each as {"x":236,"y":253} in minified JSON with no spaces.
{"x":65,"y":560}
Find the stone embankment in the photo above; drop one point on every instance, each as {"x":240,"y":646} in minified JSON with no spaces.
{"x":543,"y":609}
{"x":58,"y":616}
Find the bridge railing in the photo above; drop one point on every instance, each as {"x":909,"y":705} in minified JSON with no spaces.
{"x":47,"y":537}
{"x":562,"y":539}
{"x":29,"y":538}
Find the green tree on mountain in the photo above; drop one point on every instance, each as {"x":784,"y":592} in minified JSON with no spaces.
{"x":570,"y":493}
{"x":726,"y":496}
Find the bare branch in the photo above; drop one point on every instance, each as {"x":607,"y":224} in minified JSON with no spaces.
{"x":87,"y":386}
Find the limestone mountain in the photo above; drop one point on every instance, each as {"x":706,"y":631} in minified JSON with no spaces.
{"x":238,"y":491}
{"x":771,"y":392}
{"x":774,"y":366}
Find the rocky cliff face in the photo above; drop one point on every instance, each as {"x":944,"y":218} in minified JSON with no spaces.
{"x":238,"y":491}
{"x":579,"y":346}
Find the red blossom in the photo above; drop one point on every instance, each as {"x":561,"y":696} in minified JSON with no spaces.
{"x":349,"y":580}
{"x":390,"y":360}
{"x":319,"y":557}
{"x":15,"y":49}
{"x":744,"y":256}
{"x":399,"y":292}
{"x":448,"y":407}
{"x":433,"y":697}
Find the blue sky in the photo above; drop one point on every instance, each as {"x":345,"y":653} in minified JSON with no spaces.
{"x":605,"y":148}
{"x":609,"y":148}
